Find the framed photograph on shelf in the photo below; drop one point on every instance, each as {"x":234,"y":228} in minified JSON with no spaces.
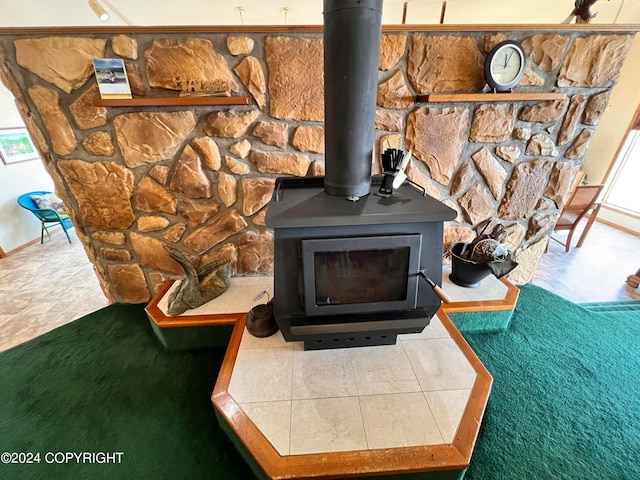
{"x":16,"y":146}
{"x":112,"y":79}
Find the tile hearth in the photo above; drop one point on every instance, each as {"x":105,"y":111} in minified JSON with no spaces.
{"x":409,"y":394}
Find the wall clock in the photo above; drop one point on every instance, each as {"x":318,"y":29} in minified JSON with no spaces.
{"x":504,"y":66}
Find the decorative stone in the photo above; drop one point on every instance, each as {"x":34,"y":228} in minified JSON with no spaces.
{"x":415,"y":173}
{"x":491,"y":170}
{"x":236,"y":166}
{"x":227,"y":252}
{"x":241,"y":149}
{"x":509,"y":153}
{"x":240,"y":45}
{"x":594,"y":61}
{"x":102,"y":190}
{"x":85,"y":114}
{"x":47,"y":101}
{"x":457,"y":233}
{"x":394,"y":93}
{"x":461,"y":179}
{"x":580,"y":145}
{"x":256,"y":253}
{"x":454,"y":206}
{"x":391,"y":50}
{"x":153,"y":254}
{"x":111,"y":238}
{"x":136,"y":83}
{"x":477,"y":204}
{"x":174,"y":234}
{"x":156,"y":280}
{"x":125,"y":46}
{"x":272,"y":133}
{"x":530,"y":78}
{"x":257,"y":193}
{"x":229,"y":123}
{"x":188,"y":177}
{"x":152,"y":223}
{"x":249,"y":71}
{"x":545,"y":204}
{"x":528,"y":259}
{"x":160,"y":173}
{"x":317,"y":169}
{"x":296,"y":78}
{"x":259,"y":218}
{"x":115,"y":254}
{"x":209,"y":152}
{"x":515,"y":235}
{"x":541,"y":223}
{"x":66,"y":62}
{"x":437,"y":137}
{"x":227,"y":189}
{"x":492,"y":40}
{"x":541,"y":144}
{"x":389,"y":121}
{"x":309,"y":139}
{"x":215,"y":232}
{"x":99,"y":144}
{"x":571,"y":119}
{"x":281,"y":163}
{"x":524,"y":189}
{"x":596,"y":106}
{"x":543,"y":112}
{"x":546,"y":51}
{"x":191,"y":65}
{"x":149,"y":137}
{"x":445,"y":63}
{"x":128,"y":283}
{"x":522,"y":133}
{"x":197,"y":211}
{"x":492,"y":123}
{"x":151,"y":198}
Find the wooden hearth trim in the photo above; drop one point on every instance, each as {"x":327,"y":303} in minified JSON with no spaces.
{"x":507,"y":303}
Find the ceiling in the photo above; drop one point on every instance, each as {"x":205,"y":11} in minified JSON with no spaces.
{"x":15,"y":13}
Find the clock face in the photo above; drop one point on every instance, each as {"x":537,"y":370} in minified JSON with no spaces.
{"x":504,"y":66}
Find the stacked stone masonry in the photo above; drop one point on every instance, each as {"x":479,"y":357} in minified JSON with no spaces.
{"x":137,"y":180}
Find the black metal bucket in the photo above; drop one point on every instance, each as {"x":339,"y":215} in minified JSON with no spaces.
{"x":465,"y":272}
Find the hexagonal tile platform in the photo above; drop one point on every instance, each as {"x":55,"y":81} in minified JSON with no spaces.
{"x":412,"y":407}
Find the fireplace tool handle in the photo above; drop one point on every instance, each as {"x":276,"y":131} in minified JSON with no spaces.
{"x":436,"y":289}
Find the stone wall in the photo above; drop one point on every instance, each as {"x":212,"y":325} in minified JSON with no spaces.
{"x":137,"y":179}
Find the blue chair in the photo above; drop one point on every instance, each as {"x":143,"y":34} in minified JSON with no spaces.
{"x":45,"y":215}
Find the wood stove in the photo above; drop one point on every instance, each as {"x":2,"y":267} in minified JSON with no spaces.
{"x":347,"y":273}
{"x":347,"y":264}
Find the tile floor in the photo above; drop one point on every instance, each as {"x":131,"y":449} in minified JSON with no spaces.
{"x":409,"y":394}
{"x":45,"y":286}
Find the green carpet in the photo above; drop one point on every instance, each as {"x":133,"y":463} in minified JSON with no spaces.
{"x":565,"y":401}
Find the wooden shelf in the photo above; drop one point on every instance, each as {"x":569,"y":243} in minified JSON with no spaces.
{"x":171,"y":101}
{"x":488,"y":97}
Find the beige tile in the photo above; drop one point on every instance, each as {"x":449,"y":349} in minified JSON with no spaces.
{"x":326,"y":425}
{"x":322,"y":374}
{"x":398,"y":420}
{"x":262,"y":375}
{"x":384,"y":369}
{"x":447,"y":407}
{"x":273,"y":419}
{"x":439,"y":364}
{"x":435,"y":329}
{"x":273,"y":341}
